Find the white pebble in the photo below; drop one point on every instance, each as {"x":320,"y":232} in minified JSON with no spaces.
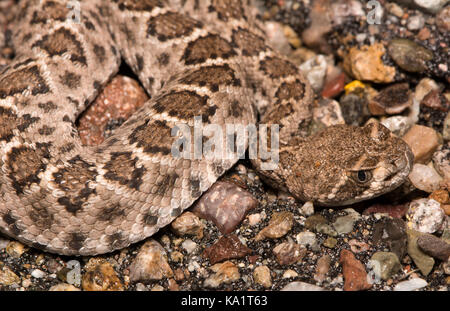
{"x":306,"y":238}
{"x":315,"y":70}
{"x":307,"y":209}
{"x":410,"y":285}
{"x":189,"y":246}
{"x":425,"y":215}
{"x":36,"y":273}
{"x":425,"y":178}
{"x":254,"y":219}
{"x":301,"y":286}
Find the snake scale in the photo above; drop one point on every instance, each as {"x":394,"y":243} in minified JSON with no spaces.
{"x":205,"y":58}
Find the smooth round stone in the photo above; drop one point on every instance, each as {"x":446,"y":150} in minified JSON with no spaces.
{"x":410,"y":285}
{"x":425,"y":215}
{"x":425,"y":178}
{"x":387,"y":264}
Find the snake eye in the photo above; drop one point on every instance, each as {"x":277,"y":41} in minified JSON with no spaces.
{"x":362,"y":176}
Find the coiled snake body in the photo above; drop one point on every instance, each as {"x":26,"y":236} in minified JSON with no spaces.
{"x":195,"y":58}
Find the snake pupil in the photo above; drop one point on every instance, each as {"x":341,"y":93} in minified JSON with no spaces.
{"x":362,"y":176}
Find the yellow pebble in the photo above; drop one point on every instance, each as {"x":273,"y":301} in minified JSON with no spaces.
{"x":350,"y":87}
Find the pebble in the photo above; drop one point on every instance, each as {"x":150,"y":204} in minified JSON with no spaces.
{"x":443,"y":20}
{"x":254,"y":219}
{"x":189,"y":246}
{"x":441,"y":161}
{"x":117,"y":101}
{"x":344,"y":224}
{"x":301,"y":287}
{"x":409,"y":55}
{"x":150,"y":263}
{"x":64,"y":287}
{"x":416,"y":22}
{"x":394,"y":9}
{"x":425,"y":177}
{"x":358,"y":246}
{"x":424,"y":262}
{"x":307,"y":209}
{"x":391,"y":100}
{"x":395,"y":211}
{"x":431,"y":6}
{"x":354,"y":108}
{"x":15,"y":249}
{"x":355,"y":276}
{"x":321,"y":24}
{"x":227,"y":247}
{"x":423,"y":142}
{"x":387,"y":265}
{"x":188,"y":224}
{"x":262,"y":276}
{"x":434,"y":109}
{"x":312,"y":221}
{"x":424,"y":86}
{"x":306,"y":238}
{"x":38,"y":274}
{"x":8,"y":277}
{"x":322,"y":268}
{"x":289,"y":274}
{"x":410,"y":285}
{"x":334,"y":87}
{"x":330,"y":242}
{"x":425,"y":215}
{"x":100,"y":276}
{"x":279,"y":225}
{"x":326,"y":112}
{"x":225,"y":273}
{"x":225,"y":204}
{"x":365,"y":64}
{"x":314,"y":70}
{"x":434,"y":246}
{"x":326,"y":229}
{"x":391,"y":232}
{"x":289,"y":252}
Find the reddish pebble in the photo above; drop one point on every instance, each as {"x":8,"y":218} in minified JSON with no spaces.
{"x":355,"y":276}
{"x":395,"y":211}
{"x":227,"y":247}
{"x":334,"y":87}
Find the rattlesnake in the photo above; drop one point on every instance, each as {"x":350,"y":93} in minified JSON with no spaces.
{"x":194,"y":58}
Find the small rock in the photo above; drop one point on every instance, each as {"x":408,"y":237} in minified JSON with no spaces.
{"x":397,"y":124}
{"x":306,"y":238}
{"x":326,"y":112}
{"x":434,"y":109}
{"x":141,"y":287}
{"x":289,"y":252}
{"x":409,"y":55}
{"x":425,"y":215}
{"x":425,"y":86}
{"x":15,"y":249}
{"x":334,"y":87}
{"x":64,"y":287}
{"x":301,"y":287}
{"x":323,"y":266}
{"x":330,"y":242}
{"x":395,"y":211}
{"x":254,"y":219}
{"x":8,"y":277}
{"x":225,"y":204}
{"x":307,"y":209}
{"x":355,"y":276}
{"x":189,"y":246}
{"x":150,"y":263}
{"x":387,"y":264}
{"x":312,"y":221}
{"x":392,"y":232}
{"x":358,"y":246}
{"x":441,"y":161}
{"x":225,"y":273}
{"x":100,"y":276}
{"x":289,"y":274}
{"x":314,"y":70}
{"x":410,"y":285}
{"x":365,"y":64}
{"x":416,"y":22}
{"x":443,"y":20}
{"x":391,"y":100}
{"x":424,"y":34}
{"x":279,"y":225}
{"x":424,"y":262}
{"x":431,"y":6}
{"x":423,"y":141}
{"x":326,"y":229}
{"x":434,"y":246}
{"x":344,"y":224}
{"x":292,"y":37}
{"x":354,"y":109}
{"x":394,"y":9}
{"x":425,"y":177}
{"x":261,"y":275}
{"x":188,"y":223}
{"x":227,"y":247}
{"x":38,"y":274}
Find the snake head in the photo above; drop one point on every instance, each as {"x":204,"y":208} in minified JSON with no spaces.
{"x":345,"y":164}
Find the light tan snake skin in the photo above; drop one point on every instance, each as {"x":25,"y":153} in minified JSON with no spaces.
{"x":194,"y":58}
